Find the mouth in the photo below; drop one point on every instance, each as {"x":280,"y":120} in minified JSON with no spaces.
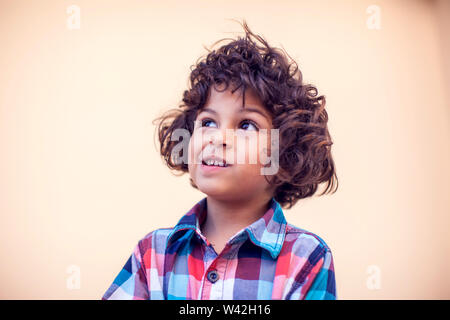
{"x":212,"y":161}
{"x":215,"y":163}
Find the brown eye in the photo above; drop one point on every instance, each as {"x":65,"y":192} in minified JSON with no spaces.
{"x":246,"y":124}
{"x":205,"y":122}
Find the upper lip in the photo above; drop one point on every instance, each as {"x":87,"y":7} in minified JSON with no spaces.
{"x":215,"y":158}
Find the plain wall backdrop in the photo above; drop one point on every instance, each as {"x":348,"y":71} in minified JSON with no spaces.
{"x":81,"y":179}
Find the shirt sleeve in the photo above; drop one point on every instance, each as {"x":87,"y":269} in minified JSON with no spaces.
{"x":322,"y":283}
{"x":131,"y":282}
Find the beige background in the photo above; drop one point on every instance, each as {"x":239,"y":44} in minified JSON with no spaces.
{"x":81,"y":180}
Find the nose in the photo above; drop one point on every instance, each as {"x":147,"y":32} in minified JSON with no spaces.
{"x":221,"y":138}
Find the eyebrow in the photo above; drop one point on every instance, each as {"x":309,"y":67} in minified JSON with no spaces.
{"x":245,"y":110}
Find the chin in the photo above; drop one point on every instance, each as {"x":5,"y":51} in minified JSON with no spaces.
{"x":212,"y":190}
{"x":215,"y":191}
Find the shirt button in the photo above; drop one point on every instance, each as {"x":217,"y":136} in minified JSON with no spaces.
{"x":213,"y":276}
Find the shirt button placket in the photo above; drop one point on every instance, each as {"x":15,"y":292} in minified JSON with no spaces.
{"x":214,"y":282}
{"x":213,"y":276}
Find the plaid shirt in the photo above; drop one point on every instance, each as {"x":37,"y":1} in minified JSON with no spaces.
{"x":269,"y":259}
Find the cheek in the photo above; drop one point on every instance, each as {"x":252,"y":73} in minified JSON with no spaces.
{"x":254,"y":148}
{"x":195,"y":146}
{"x":191,"y":152}
{"x":191,"y":156}
{"x":264,"y":148}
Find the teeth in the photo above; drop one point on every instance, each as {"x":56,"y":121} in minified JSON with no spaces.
{"x":214,"y":163}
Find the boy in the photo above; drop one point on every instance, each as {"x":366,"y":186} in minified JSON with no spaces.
{"x":235,"y":243}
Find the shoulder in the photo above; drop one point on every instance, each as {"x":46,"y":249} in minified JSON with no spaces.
{"x":305,"y":243}
{"x":155,"y":240}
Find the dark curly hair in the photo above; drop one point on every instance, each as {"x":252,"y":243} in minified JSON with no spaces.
{"x":305,"y":158}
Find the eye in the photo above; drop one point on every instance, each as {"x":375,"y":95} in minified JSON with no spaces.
{"x":248,"y":124}
{"x":205,"y":122}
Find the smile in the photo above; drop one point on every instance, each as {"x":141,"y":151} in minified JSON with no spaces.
{"x":213,"y":168}
{"x":215,"y":163}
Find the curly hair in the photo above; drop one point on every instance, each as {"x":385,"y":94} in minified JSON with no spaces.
{"x":305,"y":159}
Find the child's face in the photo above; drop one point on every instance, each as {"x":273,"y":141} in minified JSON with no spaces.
{"x":223,"y":132}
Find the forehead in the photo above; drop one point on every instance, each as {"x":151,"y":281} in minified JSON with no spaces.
{"x":222,"y":101}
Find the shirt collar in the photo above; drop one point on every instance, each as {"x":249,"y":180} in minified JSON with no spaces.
{"x":268,"y":232}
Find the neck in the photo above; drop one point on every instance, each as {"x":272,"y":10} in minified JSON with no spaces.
{"x":226,"y":218}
